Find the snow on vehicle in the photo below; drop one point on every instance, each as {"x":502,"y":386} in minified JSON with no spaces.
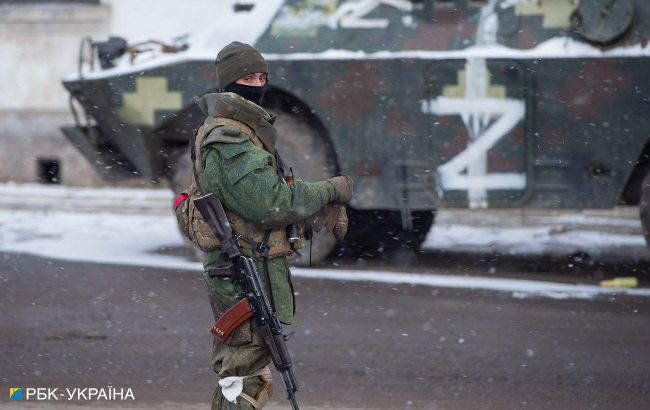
{"x":426,"y":104}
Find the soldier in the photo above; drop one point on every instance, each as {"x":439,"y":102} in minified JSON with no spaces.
{"x":237,"y":160}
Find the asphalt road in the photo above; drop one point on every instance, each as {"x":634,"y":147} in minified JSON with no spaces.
{"x":357,"y":345}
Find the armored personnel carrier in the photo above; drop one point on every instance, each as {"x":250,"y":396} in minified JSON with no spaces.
{"x":426,"y":104}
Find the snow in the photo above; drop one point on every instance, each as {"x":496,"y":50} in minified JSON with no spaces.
{"x":121,"y":235}
{"x":525,"y":240}
{"x":518,"y":287}
{"x":71,"y":193}
{"x":121,"y":239}
{"x":227,"y":26}
{"x":558,"y":47}
{"x":509,"y":3}
{"x":144,"y":20}
{"x":63,"y":198}
{"x":247,"y":27}
{"x":585,"y":220}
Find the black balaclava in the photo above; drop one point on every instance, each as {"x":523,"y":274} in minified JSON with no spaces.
{"x":251,"y":93}
{"x":235,"y":61}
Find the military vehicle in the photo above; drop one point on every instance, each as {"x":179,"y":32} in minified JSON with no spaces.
{"x":426,"y":104}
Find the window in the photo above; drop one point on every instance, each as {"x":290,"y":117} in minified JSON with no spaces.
{"x":48,"y":171}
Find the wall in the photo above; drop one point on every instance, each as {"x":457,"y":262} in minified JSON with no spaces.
{"x":39,"y":45}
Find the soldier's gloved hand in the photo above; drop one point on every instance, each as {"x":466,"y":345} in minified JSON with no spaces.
{"x":334,"y":218}
{"x":343,"y":188}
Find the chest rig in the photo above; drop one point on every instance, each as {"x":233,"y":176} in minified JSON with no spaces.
{"x":233,"y":113}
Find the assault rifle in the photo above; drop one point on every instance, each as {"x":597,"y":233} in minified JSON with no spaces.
{"x":253,"y":300}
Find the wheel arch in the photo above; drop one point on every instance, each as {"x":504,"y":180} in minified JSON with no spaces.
{"x":282,"y":100}
{"x":176,"y":132}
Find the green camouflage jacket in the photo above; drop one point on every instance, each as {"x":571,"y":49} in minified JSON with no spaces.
{"x":243,"y":176}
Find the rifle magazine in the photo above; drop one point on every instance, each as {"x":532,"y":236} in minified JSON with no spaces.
{"x":231,"y":319}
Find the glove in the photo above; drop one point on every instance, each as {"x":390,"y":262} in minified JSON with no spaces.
{"x":334,"y":219}
{"x":343,"y":188}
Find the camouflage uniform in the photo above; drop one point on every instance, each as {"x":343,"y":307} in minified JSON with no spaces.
{"x":244,"y":176}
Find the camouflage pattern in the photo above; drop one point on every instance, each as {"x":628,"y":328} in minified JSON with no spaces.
{"x":222,"y":127}
{"x":313,"y":26}
{"x":460,"y":103}
{"x":244,"y":177}
{"x":243,"y":360}
{"x":251,"y":186}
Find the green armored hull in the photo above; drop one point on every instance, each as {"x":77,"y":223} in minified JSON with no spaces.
{"x":458,"y":103}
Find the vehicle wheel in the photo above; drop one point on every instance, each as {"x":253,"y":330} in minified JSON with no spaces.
{"x":312,"y":160}
{"x":644,"y":208}
{"x":380,"y":234}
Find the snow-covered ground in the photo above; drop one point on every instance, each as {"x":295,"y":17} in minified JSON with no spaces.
{"x":601,"y":233}
{"x":131,"y":226}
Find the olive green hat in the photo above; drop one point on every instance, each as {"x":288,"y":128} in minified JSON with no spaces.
{"x":235,"y":61}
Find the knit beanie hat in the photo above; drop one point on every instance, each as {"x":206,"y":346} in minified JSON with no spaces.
{"x":235,"y":61}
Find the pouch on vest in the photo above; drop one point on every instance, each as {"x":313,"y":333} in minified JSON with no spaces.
{"x":194,"y":226}
{"x":182,"y":211}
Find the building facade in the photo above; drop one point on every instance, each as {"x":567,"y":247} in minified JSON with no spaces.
{"x":39,"y":44}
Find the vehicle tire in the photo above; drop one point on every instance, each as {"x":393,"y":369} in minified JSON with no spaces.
{"x":312,"y":159}
{"x":380,"y":234}
{"x":644,"y":208}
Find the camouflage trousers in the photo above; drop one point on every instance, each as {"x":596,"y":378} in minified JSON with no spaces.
{"x":241,"y":360}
